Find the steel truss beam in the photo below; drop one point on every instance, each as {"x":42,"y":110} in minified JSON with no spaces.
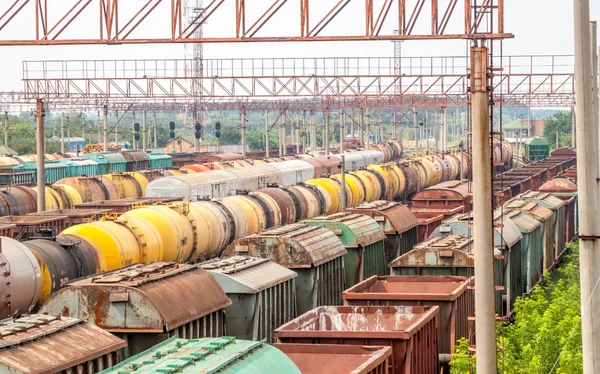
{"x":163,"y":21}
{"x":10,"y":101}
{"x":520,"y":80}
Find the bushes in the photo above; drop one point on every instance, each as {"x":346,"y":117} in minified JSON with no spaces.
{"x":546,"y":334}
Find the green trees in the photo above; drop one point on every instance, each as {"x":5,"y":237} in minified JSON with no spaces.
{"x":561,"y":121}
{"x":546,"y":334}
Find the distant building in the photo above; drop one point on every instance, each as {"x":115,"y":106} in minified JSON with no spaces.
{"x":74,"y":144}
{"x":180,"y":144}
{"x":512,"y":129}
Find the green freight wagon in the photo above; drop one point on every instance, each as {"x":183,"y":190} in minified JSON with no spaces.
{"x":364,"y":240}
{"x":55,"y":170}
{"x":208,"y":355}
{"x":532,"y":244}
{"x":537,"y":148}
{"x":507,"y":239}
{"x":263,"y":295}
{"x":398,"y":223}
{"x":108,"y":162}
{"x":315,"y":253}
{"x":80,"y":167}
{"x":160,"y":161}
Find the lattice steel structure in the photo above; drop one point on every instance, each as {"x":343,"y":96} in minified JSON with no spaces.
{"x":539,"y":81}
{"x":159,"y":21}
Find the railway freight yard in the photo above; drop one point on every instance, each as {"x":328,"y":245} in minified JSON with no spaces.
{"x":335,"y":186}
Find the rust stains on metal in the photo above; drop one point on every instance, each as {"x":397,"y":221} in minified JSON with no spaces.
{"x":293,"y":246}
{"x":363,"y":229}
{"x":396,"y":218}
{"x":337,"y":358}
{"x":559,"y":185}
{"x":49,"y":344}
{"x":160,"y":297}
{"x":411,"y":331}
{"x":449,"y":250}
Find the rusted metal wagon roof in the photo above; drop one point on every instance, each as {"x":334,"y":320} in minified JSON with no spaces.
{"x":141,"y":298}
{"x":293,"y":246}
{"x":355,"y":229}
{"x":48,"y":344}
{"x":248,"y":275}
{"x":454,"y":250}
{"x":399,"y":217}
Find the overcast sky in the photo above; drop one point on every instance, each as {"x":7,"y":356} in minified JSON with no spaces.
{"x":539,"y":26}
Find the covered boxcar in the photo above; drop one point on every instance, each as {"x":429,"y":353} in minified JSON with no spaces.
{"x":52,"y":344}
{"x":263,"y":295}
{"x":176,"y":300}
{"x":315,"y":253}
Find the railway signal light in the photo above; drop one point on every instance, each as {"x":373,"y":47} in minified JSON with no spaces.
{"x":218,"y":133}
{"x":218,"y":126}
{"x":172,"y":125}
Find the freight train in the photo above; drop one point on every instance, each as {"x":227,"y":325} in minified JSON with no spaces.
{"x":530,"y":240}
{"x":196,"y":231}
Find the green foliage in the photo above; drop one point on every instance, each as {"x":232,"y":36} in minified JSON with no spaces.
{"x":546,"y":334}
{"x":256,"y":140}
{"x":21,"y":138}
{"x":562,"y":122}
{"x":230,"y":135}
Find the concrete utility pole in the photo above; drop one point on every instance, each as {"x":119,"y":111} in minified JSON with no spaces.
{"x":352,"y":125}
{"x":6,"y":129}
{"x":105,"y":134}
{"x":444,"y":130}
{"x":62,"y":133}
{"x":83,"y":126}
{"x":361,"y":124}
{"x":367,"y":129}
{"x":155,"y":141}
{"x":326,"y":133}
{"x":144,"y":135}
{"x":416,"y":126}
{"x":342,"y":130}
{"x":282,"y":120}
{"x":243,"y":127}
{"x":116,"y":127}
{"x":426,"y":131}
{"x":68,"y":134}
{"x":529,"y":134}
{"x":485,"y":320}
{"x":313,"y":132}
{"x":267,"y":134}
{"x":573,"y":136}
{"x":588,"y":187}
{"x":41,"y":151}
{"x":293,"y":130}
{"x":297,"y":129}
{"x":304,"y":133}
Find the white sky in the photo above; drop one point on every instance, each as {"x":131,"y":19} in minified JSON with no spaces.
{"x":540,"y":27}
